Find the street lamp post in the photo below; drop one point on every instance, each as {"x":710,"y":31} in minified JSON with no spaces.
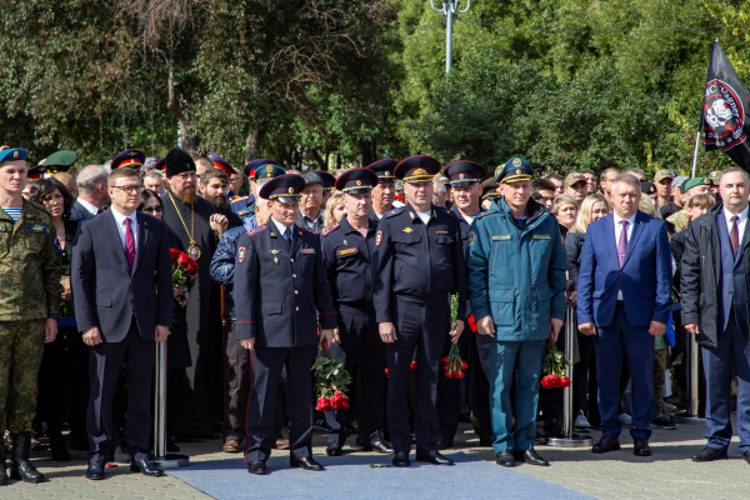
{"x":449,"y":8}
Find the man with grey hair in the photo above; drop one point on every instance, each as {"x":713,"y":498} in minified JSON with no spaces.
{"x":92,"y":193}
{"x":154,"y":182}
{"x":311,"y":203}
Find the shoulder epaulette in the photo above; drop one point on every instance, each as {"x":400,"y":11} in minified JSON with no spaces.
{"x":330,"y":230}
{"x":482,"y":215}
{"x":307,"y":230}
{"x":256,"y":230}
{"x":391,"y":213}
{"x":239,"y":198}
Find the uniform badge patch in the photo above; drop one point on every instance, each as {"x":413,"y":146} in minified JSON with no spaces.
{"x":241,"y":252}
{"x":347,"y":251}
{"x":378,"y":238}
{"x":308,"y":251}
{"x":37,"y":229}
{"x":407,"y":230}
{"x":500,"y":237}
{"x":441,"y":232}
{"x":541,"y":236}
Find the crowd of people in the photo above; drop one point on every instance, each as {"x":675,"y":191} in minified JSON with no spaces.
{"x":392,"y":268}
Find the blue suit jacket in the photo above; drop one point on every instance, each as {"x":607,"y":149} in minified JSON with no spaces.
{"x":645,"y":278}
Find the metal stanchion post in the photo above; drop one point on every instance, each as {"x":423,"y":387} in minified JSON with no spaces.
{"x":163,"y":460}
{"x":691,"y":416}
{"x":569,"y":439}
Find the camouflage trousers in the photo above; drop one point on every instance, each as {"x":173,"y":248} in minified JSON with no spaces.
{"x":21,"y":349}
{"x":660,"y":365}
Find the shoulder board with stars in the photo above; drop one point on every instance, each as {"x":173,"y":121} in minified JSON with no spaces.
{"x":256,"y":230}
{"x":239,"y":198}
{"x":393,"y":212}
{"x":304,"y":229}
{"x":330,"y":230}
{"x":482,"y":215}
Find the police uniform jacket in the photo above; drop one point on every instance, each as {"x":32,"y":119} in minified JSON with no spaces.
{"x":29,"y":269}
{"x":278,"y":289}
{"x":350,"y":264}
{"x":417,"y":261}
{"x":222,"y":264}
{"x":516,"y":272}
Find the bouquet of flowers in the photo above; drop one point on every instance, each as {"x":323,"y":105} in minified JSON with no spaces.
{"x":553,"y":368}
{"x":331,"y":380}
{"x":453,"y":365}
{"x":183,"y":266}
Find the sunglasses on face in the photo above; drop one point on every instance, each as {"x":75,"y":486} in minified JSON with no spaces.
{"x":150,"y":210}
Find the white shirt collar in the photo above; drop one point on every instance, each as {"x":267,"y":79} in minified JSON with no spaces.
{"x":630,"y":219}
{"x":88,"y":206}
{"x":120,"y":218}
{"x":281,"y":227}
{"x":728,"y":216}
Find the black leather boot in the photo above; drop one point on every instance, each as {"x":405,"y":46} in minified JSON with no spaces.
{"x":57,"y":445}
{"x":21,"y":467}
{"x":3,"y":475}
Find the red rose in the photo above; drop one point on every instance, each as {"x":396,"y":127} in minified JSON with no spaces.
{"x":183,"y":259}
{"x":386,"y":372}
{"x":339,"y":401}
{"x":464,"y":365}
{"x":192,"y":267}
{"x":412,"y":365}
{"x":564,"y":382}
{"x":324,"y":404}
{"x":460,"y":374}
{"x":174,"y":253}
{"x":551,"y":381}
{"x":448,"y":373}
{"x":473,"y":324}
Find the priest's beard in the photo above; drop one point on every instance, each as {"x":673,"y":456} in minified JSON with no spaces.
{"x":187,"y":195}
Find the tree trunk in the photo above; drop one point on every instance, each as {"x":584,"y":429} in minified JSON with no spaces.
{"x":251,"y":144}
{"x":175,"y":104}
{"x":368,"y":152}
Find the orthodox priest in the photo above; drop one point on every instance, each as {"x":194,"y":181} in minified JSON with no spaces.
{"x":198,"y":225}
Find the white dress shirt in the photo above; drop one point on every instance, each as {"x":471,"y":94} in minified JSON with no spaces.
{"x":93,"y":209}
{"x":618,"y":232}
{"x":741,"y":224}
{"x":120,"y":218}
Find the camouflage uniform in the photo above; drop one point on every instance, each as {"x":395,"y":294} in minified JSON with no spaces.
{"x":680,"y":220}
{"x":30,"y":281}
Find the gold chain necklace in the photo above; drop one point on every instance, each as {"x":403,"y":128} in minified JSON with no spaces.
{"x":193,"y":250}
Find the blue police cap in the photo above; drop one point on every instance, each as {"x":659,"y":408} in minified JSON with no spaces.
{"x":132,"y":158}
{"x":417,"y":169}
{"x":252,"y":166}
{"x":221,"y":163}
{"x":36,"y":172}
{"x":384,"y":169}
{"x":357,"y":181}
{"x":284,"y":188}
{"x":515,"y":170}
{"x":13,"y":154}
{"x":465,"y":173}
{"x":161,"y":165}
{"x":268,"y":171}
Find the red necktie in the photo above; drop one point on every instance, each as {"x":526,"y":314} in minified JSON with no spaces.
{"x":129,"y":243}
{"x":622,"y":246}
{"x":734,"y":234}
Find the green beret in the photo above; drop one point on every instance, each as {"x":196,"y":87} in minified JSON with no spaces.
{"x":697,"y":181}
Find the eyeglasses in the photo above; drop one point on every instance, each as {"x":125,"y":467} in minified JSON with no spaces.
{"x":151,"y":210}
{"x":129,"y":189}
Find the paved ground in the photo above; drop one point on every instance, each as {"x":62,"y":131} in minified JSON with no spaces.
{"x":669,"y":473}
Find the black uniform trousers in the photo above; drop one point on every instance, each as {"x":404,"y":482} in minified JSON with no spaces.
{"x":480,"y":365}
{"x":237,"y":385}
{"x":423,"y":327}
{"x":363,"y":355}
{"x":104,"y":367}
{"x":267,"y":364}
{"x":449,"y":391}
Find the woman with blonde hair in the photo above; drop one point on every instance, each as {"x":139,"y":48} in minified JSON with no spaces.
{"x":334,"y":210}
{"x":593,"y":208}
{"x":565,"y":209}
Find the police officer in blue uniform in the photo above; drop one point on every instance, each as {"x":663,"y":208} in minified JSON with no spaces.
{"x":279,"y":284}
{"x":329,"y":181}
{"x":244,"y":206}
{"x":516,"y":267}
{"x":349,"y":256}
{"x":260,"y":176}
{"x":131,"y":158}
{"x":238,"y":362}
{"x":465,"y":179}
{"x":420,"y":263}
{"x":385,"y":192}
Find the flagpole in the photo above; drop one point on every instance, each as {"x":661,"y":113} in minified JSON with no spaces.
{"x":695,"y":153}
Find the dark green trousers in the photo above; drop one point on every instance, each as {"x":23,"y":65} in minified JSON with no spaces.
{"x":21,"y":349}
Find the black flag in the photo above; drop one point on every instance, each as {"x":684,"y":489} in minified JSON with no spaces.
{"x":723,"y":118}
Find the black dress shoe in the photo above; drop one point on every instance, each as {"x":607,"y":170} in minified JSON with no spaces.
{"x":379,"y":446}
{"x":506,"y":458}
{"x":606,"y":444}
{"x":531,"y":457}
{"x":95,"y":470}
{"x":401,"y":459}
{"x":485,"y":442}
{"x":746,"y":456}
{"x":709,"y":454}
{"x":307,"y":463}
{"x":443,"y":444}
{"x":257,"y":467}
{"x":433,"y":457}
{"x":333,"y":449}
{"x":641,"y":447}
{"x":145,"y":466}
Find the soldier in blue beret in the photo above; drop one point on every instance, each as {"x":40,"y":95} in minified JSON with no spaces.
{"x":132,"y":158}
{"x":349,"y":256}
{"x":385,"y":192}
{"x":279,"y":284}
{"x":465,"y":178}
{"x":516,"y":267}
{"x":420,"y":263}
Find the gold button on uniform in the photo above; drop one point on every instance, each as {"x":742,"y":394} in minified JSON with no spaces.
{"x":294,"y":275}
{"x":292,"y":260}
{"x":296,"y":292}
{"x":296,"y":308}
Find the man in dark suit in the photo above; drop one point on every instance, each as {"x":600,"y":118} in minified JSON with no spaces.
{"x":279,"y":284}
{"x":122,"y":284}
{"x":714,"y":287}
{"x":92,"y":193}
{"x":624,"y":298}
